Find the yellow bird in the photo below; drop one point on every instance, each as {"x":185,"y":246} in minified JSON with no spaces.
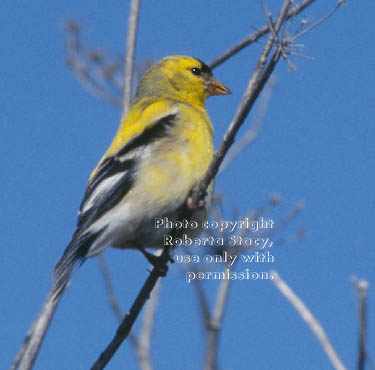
{"x":162,"y":149}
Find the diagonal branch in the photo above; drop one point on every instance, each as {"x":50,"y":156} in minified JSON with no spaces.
{"x":141,"y":346}
{"x":259,"y":78}
{"x":26,"y":355}
{"x":130,"y":317}
{"x":311,"y":321}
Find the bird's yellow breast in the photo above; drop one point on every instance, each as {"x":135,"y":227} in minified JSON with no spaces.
{"x":179,"y":160}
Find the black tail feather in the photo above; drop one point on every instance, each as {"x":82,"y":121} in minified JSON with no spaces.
{"x":74,"y":253}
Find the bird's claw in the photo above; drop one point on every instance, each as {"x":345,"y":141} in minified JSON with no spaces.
{"x":191,"y":206}
{"x":157,"y":262}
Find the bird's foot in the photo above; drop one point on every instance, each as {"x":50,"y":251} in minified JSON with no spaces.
{"x":157,"y":262}
{"x":191,"y":206}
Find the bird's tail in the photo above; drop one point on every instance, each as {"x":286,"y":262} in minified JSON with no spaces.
{"x":74,"y":253}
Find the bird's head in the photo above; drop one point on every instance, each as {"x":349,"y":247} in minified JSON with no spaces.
{"x":183,"y":78}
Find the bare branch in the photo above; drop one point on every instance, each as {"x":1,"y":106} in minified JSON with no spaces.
{"x":360,"y":289}
{"x":130,"y":317}
{"x":310,"y":320}
{"x":108,"y":287}
{"x":214,"y":324}
{"x":131,"y":41}
{"x":200,"y":293}
{"x":96,"y":80}
{"x":284,"y":221}
{"x":28,"y":352}
{"x":255,"y":36}
{"x":102,"y":79}
{"x":144,"y":348}
{"x":362,"y":314}
{"x":214,"y":320}
{"x":87,"y":65}
{"x":142,"y":345}
{"x":295,"y":237}
{"x":259,"y":78}
{"x":318,"y":23}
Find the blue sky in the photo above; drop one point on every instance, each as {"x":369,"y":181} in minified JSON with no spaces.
{"x":317,"y":144}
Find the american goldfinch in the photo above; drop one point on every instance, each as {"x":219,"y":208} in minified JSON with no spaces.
{"x":161,"y":150}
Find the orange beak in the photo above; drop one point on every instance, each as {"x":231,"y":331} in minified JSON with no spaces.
{"x":215,"y":87}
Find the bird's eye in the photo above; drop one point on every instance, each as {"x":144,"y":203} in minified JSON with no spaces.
{"x":196,"y":71}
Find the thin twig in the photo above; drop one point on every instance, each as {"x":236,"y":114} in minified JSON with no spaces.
{"x":360,"y":289}
{"x":308,"y":317}
{"x":259,"y":78}
{"x":214,"y":319}
{"x":255,"y":36}
{"x":131,"y":40}
{"x":91,"y":84}
{"x":28,"y":352}
{"x":95,"y":78}
{"x":34,"y":338}
{"x":289,"y":239}
{"x":203,"y":301}
{"x":319,"y":22}
{"x":214,"y":324}
{"x":108,"y":288}
{"x":284,"y":221}
{"x":87,"y":69}
{"x":362,"y":314}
